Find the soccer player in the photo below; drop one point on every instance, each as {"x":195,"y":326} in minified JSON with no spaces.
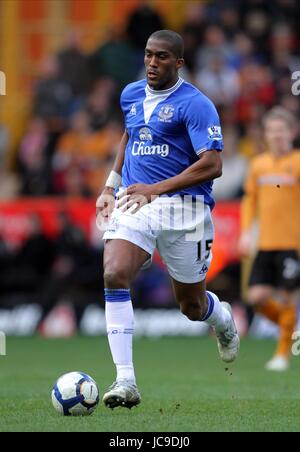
{"x":170,"y":148}
{"x":272,"y":196}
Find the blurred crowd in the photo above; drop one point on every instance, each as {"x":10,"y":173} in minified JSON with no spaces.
{"x":42,"y":270}
{"x":240,"y":54}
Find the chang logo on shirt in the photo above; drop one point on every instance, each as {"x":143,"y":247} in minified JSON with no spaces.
{"x":166,"y":113}
{"x":214,"y":133}
{"x":145,"y":134}
{"x":139,"y":148}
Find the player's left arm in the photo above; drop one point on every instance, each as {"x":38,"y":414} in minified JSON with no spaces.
{"x":208,"y":168}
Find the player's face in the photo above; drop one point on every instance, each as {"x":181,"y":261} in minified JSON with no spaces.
{"x":278,"y":135}
{"x":161,"y":64}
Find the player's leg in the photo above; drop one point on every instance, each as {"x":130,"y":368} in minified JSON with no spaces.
{"x":288,"y":276}
{"x":188,"y":261}
{"x":281,"y":310}
{"x":261,"y":286}
{"x":286,"y":321}
{"x":284,"y":315}
{"x":199,"y":304}
{"x":287,"y":266}
{"x":122,"y":261}
{"x":261,"y":298}
{"x":268,"y":272}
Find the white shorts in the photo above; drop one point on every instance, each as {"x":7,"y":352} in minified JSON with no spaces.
{"x":184,"y":246}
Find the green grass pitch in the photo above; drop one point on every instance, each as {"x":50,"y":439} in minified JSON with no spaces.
{"x":184,"y":386}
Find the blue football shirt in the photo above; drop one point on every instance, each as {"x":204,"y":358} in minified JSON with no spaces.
{"x":168,"y":130}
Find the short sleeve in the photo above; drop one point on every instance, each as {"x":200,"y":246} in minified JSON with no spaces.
{"x":203,"y":125}
{"x":124,"y":104}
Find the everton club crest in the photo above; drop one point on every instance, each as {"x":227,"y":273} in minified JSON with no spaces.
{"x":166,"y":113}
{"x":145,"y":134}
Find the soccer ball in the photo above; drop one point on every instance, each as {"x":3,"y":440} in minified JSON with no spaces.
{"x":75,"y":394}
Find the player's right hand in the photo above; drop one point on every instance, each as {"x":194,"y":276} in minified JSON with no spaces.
{"x":105,"y":204}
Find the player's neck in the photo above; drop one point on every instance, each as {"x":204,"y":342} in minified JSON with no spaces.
{"x":167,"y":87}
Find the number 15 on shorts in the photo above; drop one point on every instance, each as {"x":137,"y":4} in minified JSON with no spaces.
{"x":204,"y":249}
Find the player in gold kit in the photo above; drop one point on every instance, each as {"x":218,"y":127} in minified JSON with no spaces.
{"x":272,"y":196}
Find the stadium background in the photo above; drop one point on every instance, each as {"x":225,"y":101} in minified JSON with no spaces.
{"x":66,"y":62}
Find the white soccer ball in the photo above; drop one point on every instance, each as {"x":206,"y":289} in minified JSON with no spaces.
{"x":75,"y":394}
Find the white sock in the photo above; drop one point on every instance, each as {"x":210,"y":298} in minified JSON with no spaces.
{"x":217,"y":316}
{"x":119,"y":322}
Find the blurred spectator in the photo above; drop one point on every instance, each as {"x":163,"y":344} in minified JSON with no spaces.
{"x":101,"y":102}
{"x":256,"y":23}
{"x":244,"y":51}
{"x":287,"y":10}
{"x":6,"y":260}
{"x":4,"y":141}
{"x":214,"y":44}
{"x":53,"y":96}
{"x":9,"y":186}
{"x":116,"y":59}
{"x":230,"y":185}
{"x":192,"y":33}
{"x":144,"y":21}
{"x":70,"y":245}
{"x":76,"y":266}
{"x":284,"y":59}
{"x":252,"y":142}
{"x":73,"y":65}
{"x":36,"y":254}
{"x":33,"y":160}
{"x":84,"y":154}
{"x":291,"y":103}
{"x":258,"y":92}
{"x":218,"y":81}
{"x":230,"y":20}
{"x":29,"y":267}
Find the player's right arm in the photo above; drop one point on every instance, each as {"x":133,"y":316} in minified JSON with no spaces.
{"x":119,"y":161}
{"x":105,"y":202}
{"x":248,"y":211}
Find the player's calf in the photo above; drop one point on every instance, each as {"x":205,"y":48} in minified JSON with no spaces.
{"x":259,"y":295}
{"x":193,"y":311}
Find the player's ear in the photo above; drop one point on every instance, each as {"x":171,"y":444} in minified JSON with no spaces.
{"x":179,"y":63}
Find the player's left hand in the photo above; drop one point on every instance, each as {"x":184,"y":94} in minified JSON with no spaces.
{"x":136,"y":196}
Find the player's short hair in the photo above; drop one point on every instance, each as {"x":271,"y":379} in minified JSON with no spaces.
{"x":173,"y":38}
{"x":282,"y":113}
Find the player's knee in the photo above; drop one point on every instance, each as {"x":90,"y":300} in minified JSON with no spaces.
{"x":115,"y":278}
{"x":258,"y":296}
{"x":193,"y":311}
